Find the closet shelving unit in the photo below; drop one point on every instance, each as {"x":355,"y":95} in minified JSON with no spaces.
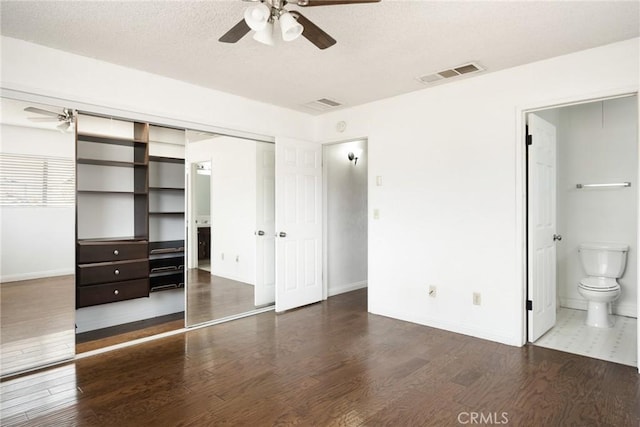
{"x":112,"y":226}
{"x":166,"y":223}
{"x":130,"y":211}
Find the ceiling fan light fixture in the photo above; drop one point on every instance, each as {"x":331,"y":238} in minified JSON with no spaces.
{"x":257,"y":16}
{"x":65,"y":126}
{"x":290,"y":27}
{"x":265,"y":35}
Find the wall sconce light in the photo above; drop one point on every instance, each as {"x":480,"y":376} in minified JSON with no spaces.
{"x":352,"y":157}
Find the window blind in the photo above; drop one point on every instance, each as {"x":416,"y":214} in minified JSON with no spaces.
{"x":30,"y":180}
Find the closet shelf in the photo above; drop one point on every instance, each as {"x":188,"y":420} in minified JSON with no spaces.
{"x":167,"y":213}
{"x":141,"y":193}
{"x":101,"y":162}
{"x":114,"y":239}
{"x":101,"y":139}
{"x":165,"y":159}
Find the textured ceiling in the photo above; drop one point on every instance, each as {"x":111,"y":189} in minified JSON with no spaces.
{"x":382,"y":47}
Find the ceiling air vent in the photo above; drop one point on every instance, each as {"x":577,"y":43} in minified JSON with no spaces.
{"x":452,"y":72}
{"x":322,"y":104}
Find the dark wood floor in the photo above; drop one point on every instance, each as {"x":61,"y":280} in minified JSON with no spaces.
{"x":37,"y":322}
{"x":325,"y":364}
{"x":212,"y":297}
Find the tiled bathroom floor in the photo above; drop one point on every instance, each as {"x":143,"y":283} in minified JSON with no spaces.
{"x":618,"y":344}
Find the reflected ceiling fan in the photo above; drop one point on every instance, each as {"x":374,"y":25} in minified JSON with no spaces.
{"x":66,"y":118}
{"x":263,"y":17}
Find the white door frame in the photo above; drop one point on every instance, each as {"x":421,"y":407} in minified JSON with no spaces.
{"x":521,"y":183}
{"x":325,"y":212}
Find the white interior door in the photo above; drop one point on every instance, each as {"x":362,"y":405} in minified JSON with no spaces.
{"x":265,"y":290}
{"x":541,"y":226}
{"x":298,"y":223}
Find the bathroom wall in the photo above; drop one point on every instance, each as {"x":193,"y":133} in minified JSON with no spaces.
{"x":346,"y":204}
{"x":597,"y":143}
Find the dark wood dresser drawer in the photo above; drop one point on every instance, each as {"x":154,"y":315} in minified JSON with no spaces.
{"x":104,"y":272}
{"x":111,"y":292}
{"x":110,"y":251}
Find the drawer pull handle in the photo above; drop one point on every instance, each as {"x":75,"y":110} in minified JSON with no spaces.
{"x":116,"y":252}
{"x":116,"y":272}
{"x":116,"y":292}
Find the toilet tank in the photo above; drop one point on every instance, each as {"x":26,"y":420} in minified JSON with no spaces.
{"x":604,"y":259}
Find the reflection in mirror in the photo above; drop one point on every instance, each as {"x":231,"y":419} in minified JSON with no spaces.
{"x":37,"y":203}
{"x":231,"y":204}
{"x":131,"y":231}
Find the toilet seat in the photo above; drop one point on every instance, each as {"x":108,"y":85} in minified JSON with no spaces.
{"x":599,"y":284}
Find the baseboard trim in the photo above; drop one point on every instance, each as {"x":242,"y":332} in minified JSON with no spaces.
{"x":337,"y":290}
{"x":36,"y":275}
{"x":458,"y":328}
{"x":626,"y":309}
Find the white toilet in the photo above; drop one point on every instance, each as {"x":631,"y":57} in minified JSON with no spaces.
{"x":604,"y":263}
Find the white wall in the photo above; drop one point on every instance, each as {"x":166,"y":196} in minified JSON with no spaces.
{"x":452,"y":200}
{"x":346,"y":211}
{"x":102,"y":84}
{"x":233,"y":205}
{"x":597,"y":143}
{"x":202,"y":195}
{"x":30,"y":247}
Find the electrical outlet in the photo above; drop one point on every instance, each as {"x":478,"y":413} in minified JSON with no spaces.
{"x":237,"y":258}
{"x":432,"y":291}
{"x":222,"y":256}
{"x":477,"y":299}
{"x":376,"y":214}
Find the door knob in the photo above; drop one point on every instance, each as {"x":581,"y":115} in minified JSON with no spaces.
{"x":259,"y":233}
{"x":282,"y":234}
{"x":557,"y":237}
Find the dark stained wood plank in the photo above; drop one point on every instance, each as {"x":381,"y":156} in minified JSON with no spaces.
{"x":37,"y":322}
{"x":212,"y":297}
{"x":327,"y":364}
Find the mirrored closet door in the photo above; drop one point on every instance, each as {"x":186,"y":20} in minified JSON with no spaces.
{"x":131,"y":230}
{"x":37,"y":210}
{"x":231,"y":251}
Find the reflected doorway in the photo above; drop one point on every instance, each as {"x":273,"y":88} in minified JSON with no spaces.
{"x":231,"y":204}
{"x":201,"y":172}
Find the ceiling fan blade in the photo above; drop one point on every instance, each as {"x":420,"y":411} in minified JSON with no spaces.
{"x":43,"y":119}
{"x":307,"y":3}
{"x":41,"y":111}
{"x":313,"y":33}
{"x":236,"y":33}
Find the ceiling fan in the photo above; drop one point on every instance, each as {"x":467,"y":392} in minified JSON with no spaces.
{"x":66,"y":118}
{"x":262,"y":18}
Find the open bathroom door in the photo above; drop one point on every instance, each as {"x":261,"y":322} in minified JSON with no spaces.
{"x":541,"y":250}
{"x":298,"y":223}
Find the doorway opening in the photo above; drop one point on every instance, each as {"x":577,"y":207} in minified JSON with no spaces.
{"x":582,"y":169}
{"x":345,"y":229}
{"x":231,"y":244}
